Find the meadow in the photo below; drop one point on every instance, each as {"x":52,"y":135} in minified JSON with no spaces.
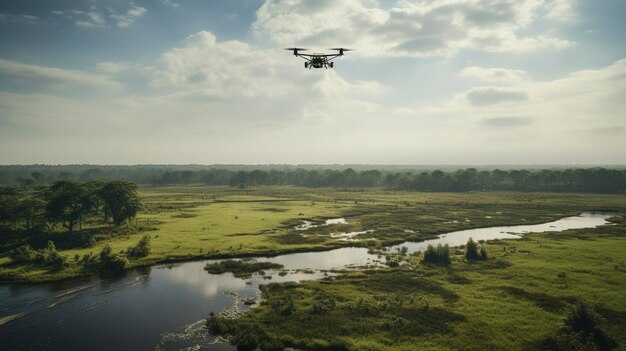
{"x":515,"y":300}
{"x":194,"y":222}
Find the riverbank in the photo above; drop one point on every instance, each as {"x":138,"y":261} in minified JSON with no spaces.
{"x":194,"y":223}
{"x":515,"y":300}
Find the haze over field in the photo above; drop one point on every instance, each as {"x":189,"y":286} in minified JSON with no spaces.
{"x":429,"y":82}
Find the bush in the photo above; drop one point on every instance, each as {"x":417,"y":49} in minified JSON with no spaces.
{"x":437,"y":255}
{"x":322,"y":303}
{"x":47,"y":256}
{"x":471,"y":250}
{"x":112,"y":262}
{"x":483,"y":253}
{"x":282,"y":305}
{"x":248,"y":337}
{"x":142,"y":249}
{"x":581,"y":331}
{"x":115,"y":263}
{"x":23,"y":254}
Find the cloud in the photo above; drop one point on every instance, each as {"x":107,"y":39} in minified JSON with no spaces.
{"x":561,"y":10}
{"x":17,"y":18}
{"x":102,"y":17}
{"x":506,"y":121}
{"x":110,"y":67}
{"x":407,"y":28}
{"x":128,"y":18}
{"x":170,"y":3}
{"x":42,"y":77}
{"x":501,"y":75}
{"x":207,"y":67}
{"x":494,"y":95}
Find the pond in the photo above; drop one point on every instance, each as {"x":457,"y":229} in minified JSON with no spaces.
{"x":164,"y":306}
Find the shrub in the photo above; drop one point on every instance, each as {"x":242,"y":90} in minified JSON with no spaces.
{"x":142,"y":249}
{"x":581,"y":331}
{"x":282,"y":305}
{"x":437,"y":255}
{"x":23,"y":254}
{"x":471,"y":250}
{"x":483,"y":253}
{"x":112,"y":262}
{"x":115,"y":263}
{"x":322,"y":303}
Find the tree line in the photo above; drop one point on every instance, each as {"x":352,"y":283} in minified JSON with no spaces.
{"x":67,"y":204}
{"x":596,"y":180}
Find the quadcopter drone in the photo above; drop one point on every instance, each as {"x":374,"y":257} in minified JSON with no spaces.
{"x":318,"y":60}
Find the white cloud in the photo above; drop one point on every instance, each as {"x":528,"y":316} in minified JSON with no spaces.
{"x":561,"y":10}
{"x":43,"y":77}
{"x":111,"y":67}
{"x":170,"y":3}
{"x":98,"y":17}
{"x":18,"y":18}
{"x":407,"y":28}
{"x":207,"y":67}
{"x":501,"y":75}
{"x":481,"y":96}
{"x":128,"y":18}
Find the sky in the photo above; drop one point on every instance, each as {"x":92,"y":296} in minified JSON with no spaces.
{"x":208,"y":82}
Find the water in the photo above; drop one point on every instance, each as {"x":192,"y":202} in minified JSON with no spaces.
{"x":163,"y":307}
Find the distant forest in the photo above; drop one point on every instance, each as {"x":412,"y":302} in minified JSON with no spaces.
{"x":416,"y":178}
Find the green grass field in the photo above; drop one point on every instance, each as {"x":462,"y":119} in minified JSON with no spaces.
{"x":513,"y":301}
{"x":192,"y":222}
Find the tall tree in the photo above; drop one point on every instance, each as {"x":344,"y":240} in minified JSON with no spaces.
{"x":121,"y":200}
{"x":66,"y":204}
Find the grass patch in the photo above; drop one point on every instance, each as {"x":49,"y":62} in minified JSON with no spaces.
{"x":240,"y":268}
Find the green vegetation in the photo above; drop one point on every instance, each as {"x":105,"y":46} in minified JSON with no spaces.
{"x":529,"y":295}
{"x":190,"y":222}
{"x":240,"y":268}
{"x":437,"y":255}
{"x":413,"y":178}
{"x":582,"y":330}
{"x":473,"y":252}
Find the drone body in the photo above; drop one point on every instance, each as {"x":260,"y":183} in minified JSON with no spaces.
{"x":318,"y":60}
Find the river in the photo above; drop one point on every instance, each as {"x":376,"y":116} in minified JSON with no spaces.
{"x":164,"y":306}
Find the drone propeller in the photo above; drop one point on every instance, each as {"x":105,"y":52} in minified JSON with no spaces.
{"x":341,"y":50}
{"x":295,"y":50}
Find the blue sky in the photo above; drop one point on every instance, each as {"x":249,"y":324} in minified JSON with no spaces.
{"x":190,"y":81}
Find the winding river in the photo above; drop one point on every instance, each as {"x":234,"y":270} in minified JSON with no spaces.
{"x":163,"y":307}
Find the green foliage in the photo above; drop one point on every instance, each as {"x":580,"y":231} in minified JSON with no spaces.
{"x":121,"y":200}
{"x":283,"y":305}
{"x":471,"y":250}
{"x":240,"y":268}
{"x":111,"y":262}
{"x":47,"y":256}
{"x":483,"y":253}
{"x":23,"y":254}
{"x":582,"y":331}
{"x":439,"y":255}
{"x":142,"y":249}
{"x":322,"y":303}
{"x":475,"y":252}
{"x":67,"y":204}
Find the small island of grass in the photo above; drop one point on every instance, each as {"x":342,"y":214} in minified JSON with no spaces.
{"x":240,"y":268}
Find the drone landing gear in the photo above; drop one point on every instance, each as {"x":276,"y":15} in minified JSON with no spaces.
{"x":331,"y":64}
{"x":306,"y":65}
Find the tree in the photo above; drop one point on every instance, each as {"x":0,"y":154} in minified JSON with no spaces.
{"x":121,"y":200}
{"x":66,"y":204}
{"x":582,"y":331}
{"x":471,"y":250}
{"x":142,"y":249}
{"x":437,"y":255}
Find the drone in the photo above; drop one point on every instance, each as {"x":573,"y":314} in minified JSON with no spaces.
{"x":317,"y":60}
